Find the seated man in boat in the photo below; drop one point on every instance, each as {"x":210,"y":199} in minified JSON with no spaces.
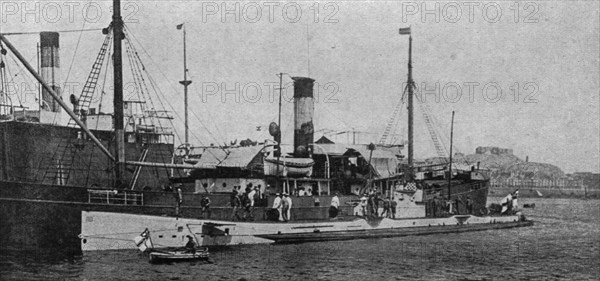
{"x":190,"y":246}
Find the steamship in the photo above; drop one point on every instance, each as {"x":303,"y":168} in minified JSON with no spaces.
{"x":51,"y":168}
{"x":97,"y":182}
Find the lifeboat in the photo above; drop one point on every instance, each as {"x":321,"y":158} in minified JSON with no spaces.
{"x":288,"y":167}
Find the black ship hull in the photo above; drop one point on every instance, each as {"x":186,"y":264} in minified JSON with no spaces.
{"x":38,"y":213}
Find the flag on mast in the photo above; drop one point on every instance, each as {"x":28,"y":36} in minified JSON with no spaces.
{"x":405,"y":31}
{"x":179,"y":26}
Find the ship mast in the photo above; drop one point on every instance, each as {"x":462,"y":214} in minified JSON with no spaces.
{"x":410,"y":85}
{"x":450,"y":165}
{"x":117,"y":24}
{"x":278,"y":136}
{"x":185,"y":84}
{"x":410,"y":108}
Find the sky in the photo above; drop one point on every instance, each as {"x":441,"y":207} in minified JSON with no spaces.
{"x":520,"y":75}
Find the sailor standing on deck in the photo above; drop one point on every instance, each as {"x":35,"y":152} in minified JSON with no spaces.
{"x":363,"y":205}
{"x":251,"y":199}
{"x":179,"y":199}
{"x":278,"y":206}
{"x":289,"y":210}
{"x":285,"y":207}
{"x":469,"y":205}
{"x":335,"y":204}
{"x":393,"y":205}
{"x":235,"y":203}
{"x":205,"y":205}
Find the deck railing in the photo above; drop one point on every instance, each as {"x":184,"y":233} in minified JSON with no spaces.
{"x":115,"y":198}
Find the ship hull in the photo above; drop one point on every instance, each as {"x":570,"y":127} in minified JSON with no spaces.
{"x":49,"y":216}
{"x":28,"y":153}
{"x":115,"y":231}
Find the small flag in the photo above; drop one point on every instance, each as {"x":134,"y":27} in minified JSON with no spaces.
{"x":506,"y":201}
{"x":404,"y":31}
{"x":142,"y":241}
{"x":179,"y":26}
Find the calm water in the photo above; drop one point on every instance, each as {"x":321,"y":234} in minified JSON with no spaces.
{"x":563,"y":244}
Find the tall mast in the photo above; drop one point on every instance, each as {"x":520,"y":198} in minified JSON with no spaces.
{"x":278,"y":136}
{"x":450,"y":165}
{"x":185,"y":84}
{"x":406,"y":31}
{"x":410,"y":107}
{"x":118,"y":91}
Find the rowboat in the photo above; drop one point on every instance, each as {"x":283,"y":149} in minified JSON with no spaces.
{"x":160,"y":256}
{"x":144,"y":244}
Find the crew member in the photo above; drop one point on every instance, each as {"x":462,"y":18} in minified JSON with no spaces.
{"x":449,"y":206}
{"x":334,"y":208}
{"x":190,"y":246}
{"x":205,"y":204}
{"x":363,"y":205}
{"x":386,"y":208}
{"x":179,"y":199}
{"x":235,"y":204}
{"x":393,"y":206}
{"x":289,"y":210}
{"x":278,"y":206}
{"x":469,"y":205}
{"x":251,"y":201}
{"x":285,"y":207}
{"x":376,"y":203}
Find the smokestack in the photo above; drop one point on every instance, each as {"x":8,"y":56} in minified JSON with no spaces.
{"x":50,"y":69}
{"x":303,"y":115}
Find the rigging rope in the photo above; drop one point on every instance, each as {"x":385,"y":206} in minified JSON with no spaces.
{"x":74,"y":53}
{"x":174,"y":89}
{"x":59,"y":31}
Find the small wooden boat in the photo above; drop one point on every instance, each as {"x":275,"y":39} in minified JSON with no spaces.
{"x":188,"y":253}
{"x":160,"y":256}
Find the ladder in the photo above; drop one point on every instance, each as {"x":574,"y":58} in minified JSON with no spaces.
{"x":61,"y":164}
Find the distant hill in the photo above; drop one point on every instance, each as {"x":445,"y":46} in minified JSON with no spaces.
{"x":504,"y":164}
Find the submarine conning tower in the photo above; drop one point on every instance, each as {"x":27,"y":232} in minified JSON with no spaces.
{"x":50,"y":69}
{"x":303,"y":116}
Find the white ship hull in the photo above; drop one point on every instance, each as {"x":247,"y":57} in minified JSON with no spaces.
{"x":112,"y":231}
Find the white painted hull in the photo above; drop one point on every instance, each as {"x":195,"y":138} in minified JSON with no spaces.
{"x":111,"y":231}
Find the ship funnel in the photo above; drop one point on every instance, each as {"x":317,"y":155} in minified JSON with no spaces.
{"x":50,"y":69}
{"x":303,"y":115}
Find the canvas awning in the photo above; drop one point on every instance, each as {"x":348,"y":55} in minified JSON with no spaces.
{"x":383,"y":161}
{"x":237,"y":157}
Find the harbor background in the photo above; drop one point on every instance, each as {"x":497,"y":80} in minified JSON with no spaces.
{"x":563,"y":244}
